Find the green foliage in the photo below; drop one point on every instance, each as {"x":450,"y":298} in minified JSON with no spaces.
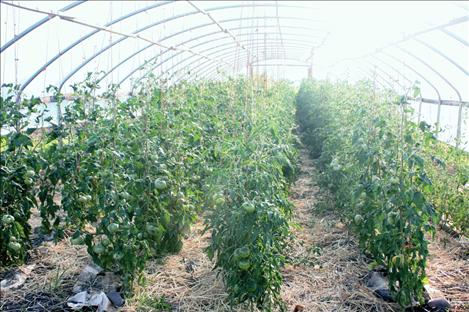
{"x":372,"y":158}
{"x":251,"y":173}
{"x":19,"y":166}
{"x":128,"y":177}
{"x":153,"y":304}
{"x":448,"y":168}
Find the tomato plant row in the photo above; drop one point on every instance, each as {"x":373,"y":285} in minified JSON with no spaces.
{"x":376,"y":162}
{"x":128,"y":177}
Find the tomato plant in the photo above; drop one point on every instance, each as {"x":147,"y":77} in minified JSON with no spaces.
{"x":19,"y":169}
{"x":373,"y":158}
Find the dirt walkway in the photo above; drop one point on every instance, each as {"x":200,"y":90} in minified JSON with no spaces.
{"x":328,"y":266}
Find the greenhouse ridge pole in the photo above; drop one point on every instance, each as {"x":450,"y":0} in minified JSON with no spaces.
{"x":223,"y":29}
{"x":37,"y":24}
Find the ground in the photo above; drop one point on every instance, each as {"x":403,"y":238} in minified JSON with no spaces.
{"x":325,"y":273}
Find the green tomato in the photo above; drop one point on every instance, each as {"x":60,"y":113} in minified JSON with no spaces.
{"x":126,"y":195}
{"x":77,"y":241}
{"x":244,"y":265}
{"x":98,"y":248}
{"x":150,"y":228}
{"x":166,"y":218}
{"x":242,"y":253}
{"x":220,"y":200}
{"x":358,"y":219}
{"x":113,"y":227}
{"x":106,"y":242}
{"x":83,"y":199}
{"x":117,"y":256}
{"x":393,"y":217}
{"x":28,"y":181}
{"x":160,"y":184}
{"x":248,"y":207}
{"x":14,"y":246}
{"x":29,"y":174}
{"x":8,"y":219}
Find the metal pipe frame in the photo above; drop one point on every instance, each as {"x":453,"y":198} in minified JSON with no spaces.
{"x":195,"y":38}
{"x":131,"y":73}
{"x":392,"y":67}
{"x":415,"y":72}
{"x":214,"y":21}
{"x":385,"y":73}
{"x":232,"y":59}
{"x":37,"y":24}
{"x":442,"y":55}
{"x":224,"y":45}
{"x":186,"y":59}
{"x":297,"y":44}
{"x":80,"y":66}
{"x":372,"y":77}
{"x":427,"y":81}
{"x":454,"y":36}
{"x":432,"y":69}
{"x":175,"y":72}
{"x":440,"y":27}
{"x":82,"y":39}
{"x":207,"y":69}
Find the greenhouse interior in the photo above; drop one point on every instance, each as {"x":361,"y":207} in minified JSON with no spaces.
{"x":234,"y":156}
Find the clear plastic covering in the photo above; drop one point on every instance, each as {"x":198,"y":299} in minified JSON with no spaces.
{"x":393,"y":44}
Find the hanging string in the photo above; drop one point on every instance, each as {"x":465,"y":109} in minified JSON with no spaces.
{"x":5,"y":36}
{"x":47,"y":57}
{"x":16,"y":46}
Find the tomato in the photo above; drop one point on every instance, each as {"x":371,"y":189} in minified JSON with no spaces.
{"x":244,"y":265}
{"x":28,"y":181}
{"x":14,"y":246}
{"x":8,"y":219}
{"x":166,"y":218}
{"x":358,"y":219}
{"x":160,"y":184}
{"x":98,"y":248}
{"x":220,"y":200}
{"x":83,"y":199}
{"x":393,"y":217}
{"x":77,"y":241}
{"x":106,"y":242}
{"x":125,"y":195}
{"x":242,"y":253}
{"x":117,"y":256}
{"x":150,"y":228}
{"x":113,"y":227}
{"x":29,"y":174}
{"x":248,"y":207}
